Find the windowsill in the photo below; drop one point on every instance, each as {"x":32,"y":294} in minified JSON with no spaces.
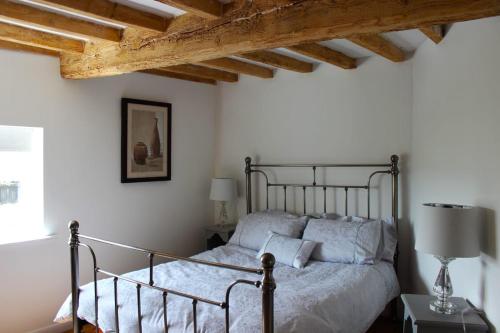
{"x":32,"y":238}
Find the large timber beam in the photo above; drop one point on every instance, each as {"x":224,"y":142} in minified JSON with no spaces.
{"x":63,"y":23}
{"x":203,"y":8}
{"x":21,"y":35}
{"x":112,"y":12}
{"x":292,"y":24}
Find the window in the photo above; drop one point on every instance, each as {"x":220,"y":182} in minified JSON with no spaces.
{"x":21,"y":183}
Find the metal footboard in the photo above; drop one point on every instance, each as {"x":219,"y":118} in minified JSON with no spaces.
{"x":266,"y":284}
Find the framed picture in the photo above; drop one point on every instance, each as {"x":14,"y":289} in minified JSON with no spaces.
{"x":146,"y":141}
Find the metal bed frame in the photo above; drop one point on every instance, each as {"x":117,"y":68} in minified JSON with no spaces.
{"x":267,"y":283}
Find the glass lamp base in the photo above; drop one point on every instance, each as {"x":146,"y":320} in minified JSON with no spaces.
{"x":443,"y":289}
{"x":223,"y":213}
{"x":444,"y":308}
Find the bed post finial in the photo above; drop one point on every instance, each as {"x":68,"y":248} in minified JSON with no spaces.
{"x":75,"y":276}
{"x":268,"y":286}
{"x":394,"y":165}
{"x":73,"y":229}
{"x":248,"y":173}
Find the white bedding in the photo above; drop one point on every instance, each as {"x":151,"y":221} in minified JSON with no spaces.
{"x":322,"y":297}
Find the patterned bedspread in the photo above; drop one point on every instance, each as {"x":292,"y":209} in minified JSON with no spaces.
{"x":322,"y":297}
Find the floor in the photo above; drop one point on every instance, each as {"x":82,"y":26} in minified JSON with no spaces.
{"x":382,"y":325}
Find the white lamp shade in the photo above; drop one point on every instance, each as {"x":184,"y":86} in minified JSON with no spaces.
{"x":223,"y":189}
{"x":450,"y":231}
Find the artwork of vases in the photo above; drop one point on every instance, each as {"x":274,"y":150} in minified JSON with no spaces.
{"x":140,"y":153}
{"x":146,"y":147}
{"x":155,"y":141}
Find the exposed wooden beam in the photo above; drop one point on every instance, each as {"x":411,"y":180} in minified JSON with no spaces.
{"x":28,"y":14}
{"x":380,"y":46}
{"x":17,"y":34}
{"x":434,"y":32}
{"x":298,"y":23}
{"x":27,"y":48}
{"x":203,"y":8}
{"x":204,"y":72}
{"x":111,"y":11}
{"x":240,"y":67}
{"x":326,"y":54}
{"x":174,"y":75}
{"x":279,"y":60}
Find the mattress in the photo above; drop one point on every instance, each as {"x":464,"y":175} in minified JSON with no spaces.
{"x":322,"y":297}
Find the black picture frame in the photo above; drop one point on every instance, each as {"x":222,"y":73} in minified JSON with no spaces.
{"x":134,"y":158}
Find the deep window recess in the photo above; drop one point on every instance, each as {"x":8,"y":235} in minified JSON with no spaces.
{"x":21,"y":184}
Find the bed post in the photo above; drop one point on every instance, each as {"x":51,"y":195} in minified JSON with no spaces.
{"x":395,"y":214}
{"x":395,"y":200}
{"x":248,"y":173}
{"x":268,"y":286}
{"x":395,"y":187}
{"x":75,"y":278}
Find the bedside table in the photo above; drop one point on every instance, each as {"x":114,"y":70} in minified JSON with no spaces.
{"x":418,"y":318}
{"x":218,"y":234}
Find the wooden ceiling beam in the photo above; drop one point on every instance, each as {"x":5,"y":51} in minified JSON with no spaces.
{"x":204,"y":8}
{"x":326,"y":54}
{"x":279,"y":60}
{"x":247,"y":31}
{"x":47,"y":19}
{"x":21,"y":35}
{"x":27,"y":48}
{"x":112,"y":12}
{"x":174,"y":75}
{"x":433,"y":32}
{"x":204,"y":72}
{"x":379,"y":45}
{"x":239,"y":67}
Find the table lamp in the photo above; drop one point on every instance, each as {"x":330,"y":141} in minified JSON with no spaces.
{"x":447,"y":231}
{"x":223,"y":190}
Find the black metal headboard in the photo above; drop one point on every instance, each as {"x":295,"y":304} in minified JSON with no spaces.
{"x":390,"y":168}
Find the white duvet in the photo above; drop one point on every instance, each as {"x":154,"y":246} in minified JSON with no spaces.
{"x":322,"y":297}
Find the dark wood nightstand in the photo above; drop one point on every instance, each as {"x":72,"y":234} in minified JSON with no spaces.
{"x":218,"y":234}
{"x":419,"y":318}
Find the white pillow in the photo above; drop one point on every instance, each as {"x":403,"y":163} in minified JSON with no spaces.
{"x":252,"y":229}
{"x":289,"y":251}
{"x":350,"y":243}
{"x":389,"y":237}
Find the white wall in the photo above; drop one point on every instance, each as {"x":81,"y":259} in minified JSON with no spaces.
{"x":331,"y":115}
{"x":455,"y":149}
{"x":81,"y":121}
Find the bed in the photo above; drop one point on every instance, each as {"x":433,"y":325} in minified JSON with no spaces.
{"x":229,"y":290}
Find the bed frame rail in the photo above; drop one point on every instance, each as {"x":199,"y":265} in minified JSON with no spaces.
{"x":266,"y":284}
{"x":391,"y":168}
